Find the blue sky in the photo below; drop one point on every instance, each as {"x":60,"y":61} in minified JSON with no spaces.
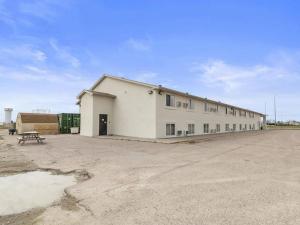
{"x":240,"y":52}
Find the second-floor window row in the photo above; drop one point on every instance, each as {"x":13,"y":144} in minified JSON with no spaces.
{"x":190,"y":104}
{"x":170,"y":101}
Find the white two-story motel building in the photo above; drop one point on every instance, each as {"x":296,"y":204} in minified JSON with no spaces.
{"x":118,"y":106}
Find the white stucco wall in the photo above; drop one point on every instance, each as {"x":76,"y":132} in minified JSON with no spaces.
{"x":86,"y":115}
{"x":133,"y":109}
{"x":183,"y":116}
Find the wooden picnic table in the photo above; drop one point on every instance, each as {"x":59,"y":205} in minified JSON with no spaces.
{"x":29,"y":136}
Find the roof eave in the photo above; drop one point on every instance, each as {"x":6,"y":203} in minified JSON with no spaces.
{"x":121,"y":79}
{"x":91,"y":92}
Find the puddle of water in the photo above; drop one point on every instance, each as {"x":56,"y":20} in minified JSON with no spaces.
{"x":22,"y":192}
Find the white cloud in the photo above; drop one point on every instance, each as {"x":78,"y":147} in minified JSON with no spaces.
{"x":28,"y":74}
{"x":232,"y":77}
{"x":42,"y":9}
{"x":139,"y":45}
{"x":63,"y":54}
{"x":36,"y":74}
{"x":25,"y":52}
{"x":217,"y":72}
{"x":253,"y":86}
{"x":35,"y":69}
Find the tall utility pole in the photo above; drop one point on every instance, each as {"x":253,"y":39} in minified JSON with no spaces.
{"x":265,"y":118}
{"x":265,"y":109}
{"x":275,"y":111}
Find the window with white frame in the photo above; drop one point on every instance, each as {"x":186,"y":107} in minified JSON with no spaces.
{"x":218,"y":128}
{"x":231,"y":111}
{"x":191,"y":104}
{"x":241,"y":126}
{"x":170,"y":100}
{"x":243,"y":113}
{"x":234,"y":127}
{"x":170,"y":129}
{"x":205,"y":107}
{"x":253,"y":126}
{"x":211,"y":107}
{"x":191,"y":128}
{"x":227,"y":127}
{"x":206,"y":128}
{"x":245,"y":126}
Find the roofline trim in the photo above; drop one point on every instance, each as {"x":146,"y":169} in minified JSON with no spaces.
{"x":121,"y":79}
{"x":95,"y":93}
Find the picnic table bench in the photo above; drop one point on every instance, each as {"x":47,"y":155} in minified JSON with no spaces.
{"x":30,"y":136}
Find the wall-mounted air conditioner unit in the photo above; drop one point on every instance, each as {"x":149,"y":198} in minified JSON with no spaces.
{"x":178,"y":104}
{"x":185,"y":105}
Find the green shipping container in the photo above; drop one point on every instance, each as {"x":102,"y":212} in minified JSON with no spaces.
{"x":68,"y":120}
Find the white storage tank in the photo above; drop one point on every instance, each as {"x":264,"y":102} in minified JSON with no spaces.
{"x":7,"y":115}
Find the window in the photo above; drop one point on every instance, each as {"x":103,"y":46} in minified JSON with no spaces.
{"x":230,"y":111}
{"x":253,"y":126}
{"x":227,"y":127}
{"x":206,"y":128}
{"x":191,"y":104}
{"x":242,"y":113}
{"x":205,"y":107}
{"x":218,"y":128}
{"x":241,"y":127}
{"x":250,"y":128}
{"x":191,"y":128}
{"x":234,"y":127}
{"x":213,"y":108}
{"x":170,"y":129}
{"x":245,"y":126}
{"x":210,"y":107}
{"x":170,"y":100}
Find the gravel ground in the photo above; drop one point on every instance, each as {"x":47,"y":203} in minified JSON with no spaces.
{"x":244,"y":179}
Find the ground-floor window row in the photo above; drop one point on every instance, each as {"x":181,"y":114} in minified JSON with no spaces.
{"x":207,"y":128}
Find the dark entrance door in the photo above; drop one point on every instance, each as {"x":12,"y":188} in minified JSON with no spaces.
{"x":102,"y":124}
